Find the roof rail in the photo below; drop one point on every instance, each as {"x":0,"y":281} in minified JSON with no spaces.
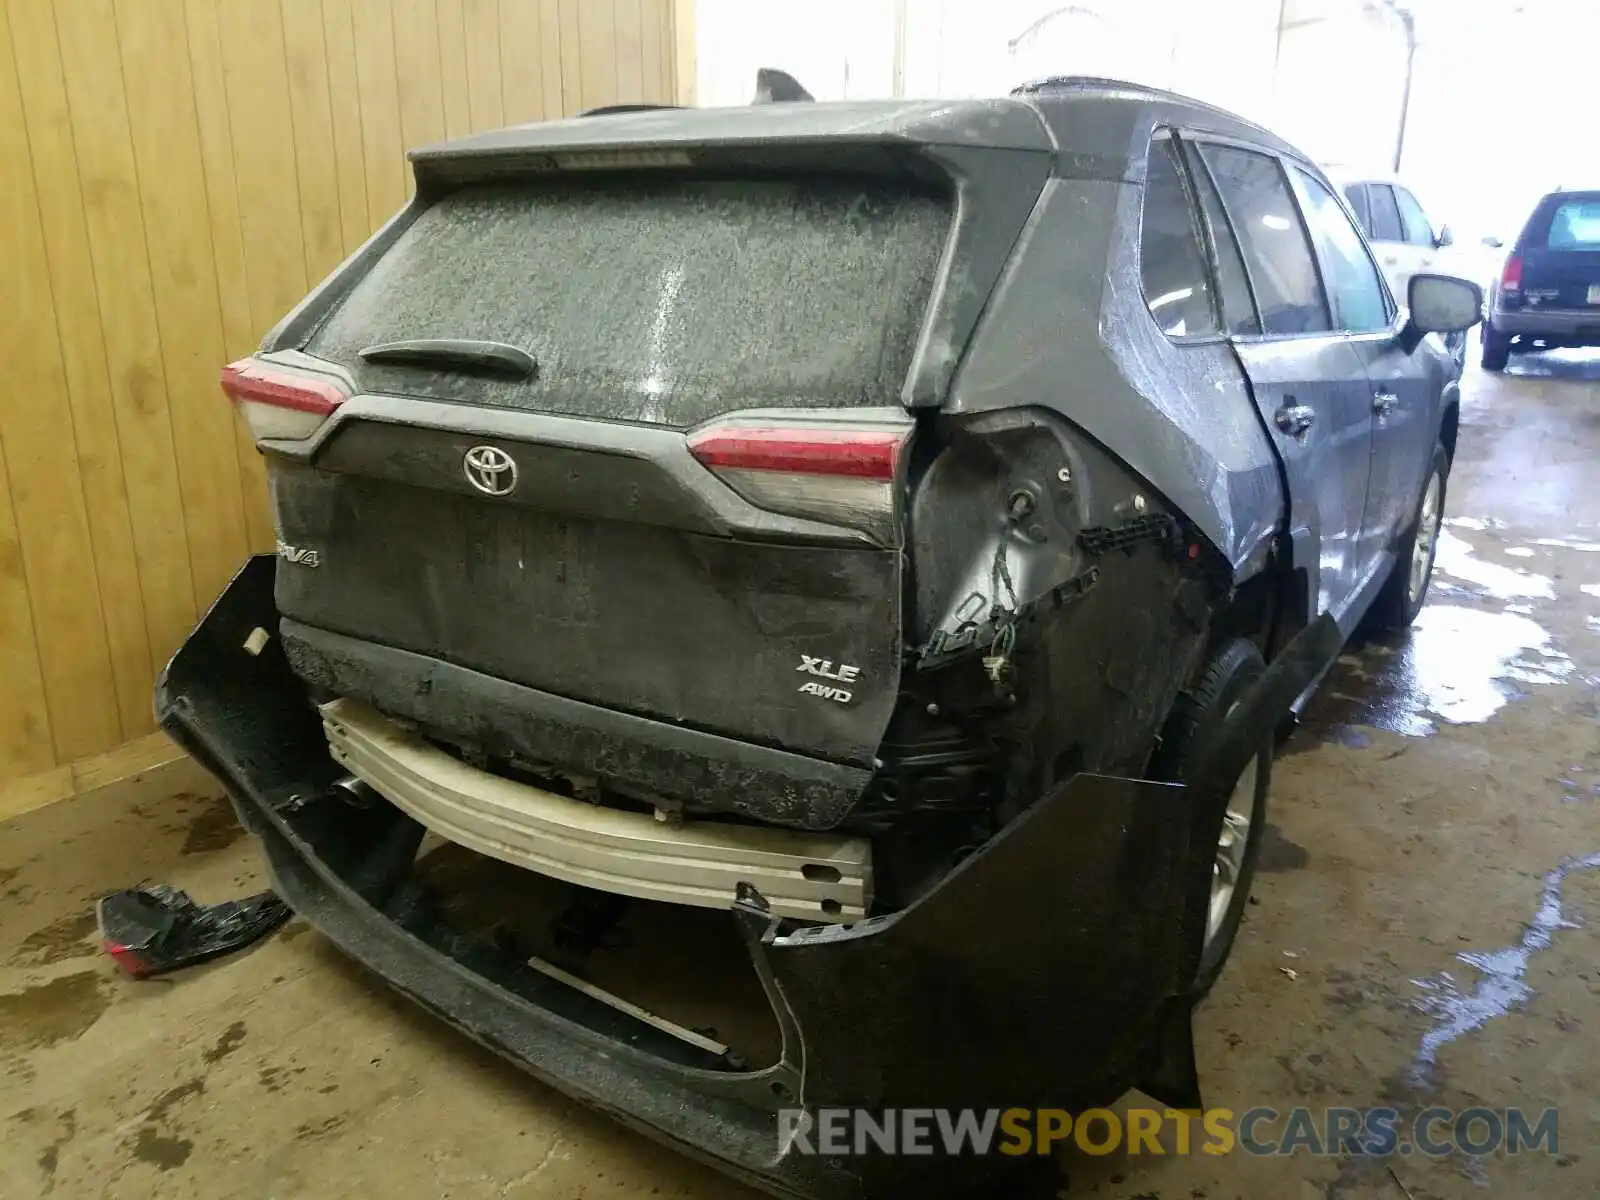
{"x":1100,"y":83}
{"x":1082,"y":83}
{"x":606,"y":110}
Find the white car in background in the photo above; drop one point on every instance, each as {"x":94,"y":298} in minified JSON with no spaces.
{"x":1405,"y":239}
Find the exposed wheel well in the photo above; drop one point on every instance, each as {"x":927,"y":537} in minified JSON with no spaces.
{"x":1448,"y":428}
{"x":1269,"y":608}
{"x":1249,"y":611}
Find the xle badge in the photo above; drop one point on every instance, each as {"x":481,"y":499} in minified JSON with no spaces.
{"x":823,"y":667}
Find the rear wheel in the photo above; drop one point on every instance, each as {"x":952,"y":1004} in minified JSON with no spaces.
{"x":1234,"y":825}
{"x":1496,"y":349}
{"x":1407,"y":586}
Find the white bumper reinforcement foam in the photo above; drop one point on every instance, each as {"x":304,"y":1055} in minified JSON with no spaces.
{"x":811,"y":876}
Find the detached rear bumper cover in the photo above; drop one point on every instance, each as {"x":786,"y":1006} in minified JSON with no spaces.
{"x":1049,"y":969}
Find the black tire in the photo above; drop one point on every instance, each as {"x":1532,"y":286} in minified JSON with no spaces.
{"x":1230,"y":669}
{"x":1496,"y":349}
{"x":1396,"y":605}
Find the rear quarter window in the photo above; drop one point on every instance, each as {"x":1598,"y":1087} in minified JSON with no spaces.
{"x":660,"y":301}
{"x":1177,"y":284}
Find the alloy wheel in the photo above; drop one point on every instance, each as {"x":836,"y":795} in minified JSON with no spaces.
{"x":1426,"y":541}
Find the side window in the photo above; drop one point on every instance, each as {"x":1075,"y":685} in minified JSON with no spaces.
{"x":1258,"y":202}
{"x":1177,"y":286}
{"x":1353,"y":284}
{"x":1385,"y":219}
{"x":1238,"y":305}
{"x":1356,"y":193}
{"x":1418,"y":231}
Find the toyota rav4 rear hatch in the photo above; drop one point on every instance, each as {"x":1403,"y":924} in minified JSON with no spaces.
{"x":633,"y":441}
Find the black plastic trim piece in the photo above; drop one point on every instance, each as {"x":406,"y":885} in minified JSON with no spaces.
{"x":627,"y":750}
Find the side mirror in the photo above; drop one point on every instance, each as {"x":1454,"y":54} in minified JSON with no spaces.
{"x":1445,"y":238}
{"x":1493,"y":242}
{"x":1440,"y":304}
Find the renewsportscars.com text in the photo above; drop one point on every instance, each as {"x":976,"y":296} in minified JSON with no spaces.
{"x":1344,"y":1132}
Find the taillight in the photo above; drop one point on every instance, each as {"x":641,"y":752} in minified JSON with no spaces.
{"x":277,"y":403}
{"x":1511,"y":274}
{"x":843,"y":475}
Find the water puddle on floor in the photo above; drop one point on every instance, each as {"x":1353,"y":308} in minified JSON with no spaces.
{"x":1587,"y":547}
{"x":1502,"y":976}
{"x":1457,"y":665}
{"x":1457,"y":559}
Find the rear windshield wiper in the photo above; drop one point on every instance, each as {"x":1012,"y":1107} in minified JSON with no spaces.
{"x":456,"y":354}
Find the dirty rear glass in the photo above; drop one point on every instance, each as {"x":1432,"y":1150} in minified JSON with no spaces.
{"x":665,"y":302}
{"x":1575,"y":225}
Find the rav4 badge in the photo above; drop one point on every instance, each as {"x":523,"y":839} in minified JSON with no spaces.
{"x":299,"y":554}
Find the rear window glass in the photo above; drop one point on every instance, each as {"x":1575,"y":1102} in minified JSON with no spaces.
{"x":1419,"y":231}
{"x":1356,"y":194}
{"x":666,"y":302}
{"x":1385,"y":214}
{"x":1575,"y":225}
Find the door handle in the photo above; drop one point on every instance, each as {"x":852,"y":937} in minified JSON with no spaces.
{"x":1391,"y":260}
{"x":1295,"y":419}
{"x":1383,"y":403}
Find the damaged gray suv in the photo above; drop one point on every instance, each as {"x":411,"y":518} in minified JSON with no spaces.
{"x":892,"y":531}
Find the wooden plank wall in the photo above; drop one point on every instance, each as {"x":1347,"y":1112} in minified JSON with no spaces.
{"x":177,"y":174}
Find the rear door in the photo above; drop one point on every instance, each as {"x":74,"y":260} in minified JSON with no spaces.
{"x":1401,"y":386}
{"x":1308,"y":383}
{"x":633,"y":442}
{"x":1560,"y":253}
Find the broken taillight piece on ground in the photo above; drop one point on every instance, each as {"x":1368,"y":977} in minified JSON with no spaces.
{"x":151,"y":928}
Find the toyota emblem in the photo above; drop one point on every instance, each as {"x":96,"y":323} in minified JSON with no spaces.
{"x":491,"y":470}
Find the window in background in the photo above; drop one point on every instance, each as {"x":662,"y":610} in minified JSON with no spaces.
{"x":1575,"y":226}
{"x":1417,"y":229}
{"x":1385,"y":219}
{"x":1356,"y":193}
{"x":1352,"y":279}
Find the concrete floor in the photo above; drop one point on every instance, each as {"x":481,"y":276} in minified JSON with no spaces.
{"x":1439,"y":803}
